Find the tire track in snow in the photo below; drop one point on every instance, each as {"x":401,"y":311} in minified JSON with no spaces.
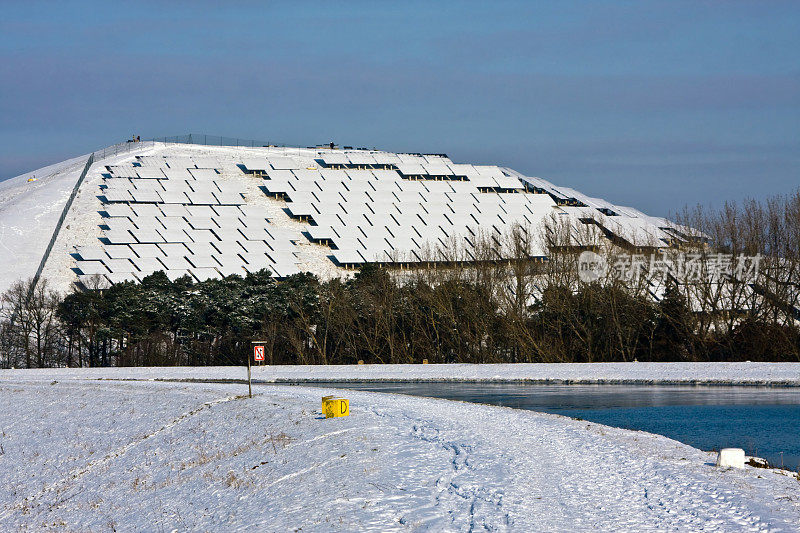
{"x":77,"y":473}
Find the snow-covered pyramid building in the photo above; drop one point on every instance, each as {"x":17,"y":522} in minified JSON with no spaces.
{"x":211,"y":211}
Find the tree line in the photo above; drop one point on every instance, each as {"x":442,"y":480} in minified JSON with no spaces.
{"x":501,"y":305}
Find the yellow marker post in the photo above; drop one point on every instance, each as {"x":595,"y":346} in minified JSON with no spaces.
{"x":334,"y":407}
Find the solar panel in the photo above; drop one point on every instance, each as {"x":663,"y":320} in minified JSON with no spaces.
{"x":150,"y":173}
{"x":174,"y":223}
{"x":227,"y":233}
{"x":90,"y":253}
{"x":411,"y":169}
{"x":202,"y":198}
{"x":203,"y":186}
{"x":360,"y":175}
{"x":278,"y":186}
{"x":361,"y":158}
{"x":483,"y":181}
{"x":301,"y":196}
{"x":283,"y":163}
{"x":178,"y":185}
{"x":229,"y":260}
{"x":145,"y":196}
{"x":435,"y":169}
{"x":229,"y":198}
{"x":329,"y":174}
{"x":381,"y":208}
{"x":174,"y":262}
{"x":89,"y":268}
{"x":284,"y":233}
{"x":174,"y":197}
{"x":146,"y":250}
{"x":299,"y":209}
{"x":204,"y":174}
{"x":117,"y":195}
{"x":383,"y":158}
{"x":253,"y":211}
{"x":305,"y":186}
{"x":150,"y":161}
{"x":321,"y":233}
{"x":201,"y":235}
{"x":334,"y":158}
{"x":118,"y":210}
{"x":119,"y":237}
{"x":123,"y":171}
{"x":305,"y":174}
{"x":119,"y":224}
{"x":119,"y":265}
{"x":173,"y":235}
{"x":507,"y":182}
{"x":256,"y":164}
{"x":201,"y":248}
{"x":254,"y":246}
{"x":254,"y":233}
{"x":119,"y":251}
{"x":200,"y":211}
{"x":176,"y":174}
{"x":281,"y":245}
{"x":147,"y":265}
{"x":357,"y":186}
{"x":347,"y":257}
{"x":147,"y":235}
{"x":257,"y":260}
{"x":346,"y":243}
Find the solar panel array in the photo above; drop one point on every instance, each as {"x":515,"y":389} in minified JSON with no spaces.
{"x":181,"y":216}
{"x":188,"y":214}
{"x":401,"y":208}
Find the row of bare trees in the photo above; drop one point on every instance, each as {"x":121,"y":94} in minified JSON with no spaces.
{"x":494,"y":300}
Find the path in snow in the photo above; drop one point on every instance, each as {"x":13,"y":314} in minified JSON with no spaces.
{"x":89,"y":455}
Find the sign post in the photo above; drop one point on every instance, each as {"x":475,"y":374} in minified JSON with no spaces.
{"x":258,"y":355}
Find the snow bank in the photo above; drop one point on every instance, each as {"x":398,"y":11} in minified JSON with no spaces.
{"x":774,"y":374}
{"x":89,"y":455}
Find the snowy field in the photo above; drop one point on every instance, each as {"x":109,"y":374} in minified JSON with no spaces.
{"x":775,"y":374}
{"x":80,"y":454}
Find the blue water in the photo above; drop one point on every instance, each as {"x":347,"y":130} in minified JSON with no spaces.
{"x":764,"y":421}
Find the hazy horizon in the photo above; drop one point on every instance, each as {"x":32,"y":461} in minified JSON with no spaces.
{"x":654,"y":104}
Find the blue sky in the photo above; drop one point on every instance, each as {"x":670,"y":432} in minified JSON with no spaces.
{"x":650,"y":104}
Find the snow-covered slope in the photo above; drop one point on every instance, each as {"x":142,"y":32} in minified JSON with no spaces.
{"x":132,"y":456}
{"x":29,"y":211}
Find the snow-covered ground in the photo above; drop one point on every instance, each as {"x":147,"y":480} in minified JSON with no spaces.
{"x":85,"y":455}
{"x":775,"y":374}
{"x":29,"y":211}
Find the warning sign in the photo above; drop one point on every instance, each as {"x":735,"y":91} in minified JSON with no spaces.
{"x":258,"y":353}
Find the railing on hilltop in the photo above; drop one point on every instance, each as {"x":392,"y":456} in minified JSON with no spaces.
{"x":216,"y":140}
{"x":121,"y":148}
{"x":190,"y":138}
